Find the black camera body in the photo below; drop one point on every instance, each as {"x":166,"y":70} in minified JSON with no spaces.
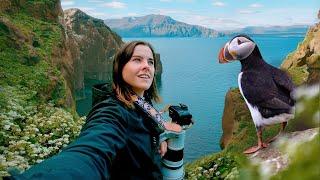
{"x":180,"y":115}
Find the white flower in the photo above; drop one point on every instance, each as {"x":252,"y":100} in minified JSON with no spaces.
{"x":6,"y":127}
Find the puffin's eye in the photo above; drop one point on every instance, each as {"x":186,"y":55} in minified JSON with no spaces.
{"x":239,"y":42}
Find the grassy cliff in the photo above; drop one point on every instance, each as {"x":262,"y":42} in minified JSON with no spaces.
{"x":37,"y":115}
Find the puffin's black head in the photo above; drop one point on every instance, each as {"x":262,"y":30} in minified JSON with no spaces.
{"x":238,"y":48}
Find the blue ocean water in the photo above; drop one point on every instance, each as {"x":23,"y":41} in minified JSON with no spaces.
{"x":193,"y":76}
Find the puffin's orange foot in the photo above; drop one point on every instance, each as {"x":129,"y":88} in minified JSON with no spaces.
{"x":264,"y":145}
{"x":253,"y":149}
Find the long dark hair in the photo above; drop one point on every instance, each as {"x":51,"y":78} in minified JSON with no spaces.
{"x":122,"y":89}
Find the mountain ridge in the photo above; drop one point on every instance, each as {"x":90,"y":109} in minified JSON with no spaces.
{"x":157,"y":26}
{"x":292,"y":29}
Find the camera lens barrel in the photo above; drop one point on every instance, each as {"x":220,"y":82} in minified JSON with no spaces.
{"x":172,"y":161}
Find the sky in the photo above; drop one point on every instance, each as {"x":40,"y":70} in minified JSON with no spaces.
{"x":218,"y":15}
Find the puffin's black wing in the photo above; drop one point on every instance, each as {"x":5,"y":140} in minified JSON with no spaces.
{"x":260,"y":90}
{"x":284,"y":84}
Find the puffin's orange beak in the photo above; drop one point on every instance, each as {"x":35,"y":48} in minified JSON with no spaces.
{"x":221,"y":57}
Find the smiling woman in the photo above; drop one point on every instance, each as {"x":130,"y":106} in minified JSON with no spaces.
{"x":139,"y":70}
{"x":119,"y":139}
{"x":133,"y":72}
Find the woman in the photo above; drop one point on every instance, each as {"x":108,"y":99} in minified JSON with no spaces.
{"x":119,"y":139}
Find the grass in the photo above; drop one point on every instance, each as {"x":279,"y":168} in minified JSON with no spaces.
{"x":35,"y":122}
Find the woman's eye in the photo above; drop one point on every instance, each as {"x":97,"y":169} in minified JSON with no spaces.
{"x":136,"y":59}
{"x":151,"y":62}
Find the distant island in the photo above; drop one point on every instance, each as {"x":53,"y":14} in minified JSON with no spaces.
{"x":157,"y":26}
{"x":270,"y":30}
{"x":164,"y":26}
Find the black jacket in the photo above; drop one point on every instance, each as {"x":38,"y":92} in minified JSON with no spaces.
{"x":115,"y":143}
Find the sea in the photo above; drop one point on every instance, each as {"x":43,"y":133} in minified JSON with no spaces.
{"x":192,"y":76}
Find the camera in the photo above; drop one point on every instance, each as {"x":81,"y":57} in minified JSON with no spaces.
{"x":172,"y":161}
{"x":180,"y":115}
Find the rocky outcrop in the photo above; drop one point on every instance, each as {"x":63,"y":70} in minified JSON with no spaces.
{"x":37,"y":109}
{"x":51,"y":37}
{"x":42,"y":10}
{"x":274,"y":158}
{"x":93,"y":46}
{"x":306,"y":56}
{"x":157,"y":26}
{"x":235,"y":111}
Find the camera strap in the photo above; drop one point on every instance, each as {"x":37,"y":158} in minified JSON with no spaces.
{"x":150,"y":111}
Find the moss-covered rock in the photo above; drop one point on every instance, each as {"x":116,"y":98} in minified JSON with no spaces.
{"x":306,"y":58}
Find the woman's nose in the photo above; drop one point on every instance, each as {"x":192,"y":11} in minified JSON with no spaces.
{"x":145,"y":64}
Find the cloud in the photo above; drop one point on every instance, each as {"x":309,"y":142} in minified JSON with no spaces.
{"x":218,"y":3}
{"x":212,"y":22}
{"x":95,"y":1}
{"x":255,"y":5}
{"x":248,"y":11}
{"x":187,"y":1}
{"x":115,"y":5}
{"x":93,"y":12}
{"x":67,"y":3}
{"x":133,"y":14}
{"x":167,"y":11}
{"x":87,"y":10}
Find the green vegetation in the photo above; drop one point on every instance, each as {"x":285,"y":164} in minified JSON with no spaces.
{"x":217,"y":166}
{"x":35,"y":122}
{"x":305,"y":162}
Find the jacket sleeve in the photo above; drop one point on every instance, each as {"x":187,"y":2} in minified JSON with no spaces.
{"x":90,"y":156}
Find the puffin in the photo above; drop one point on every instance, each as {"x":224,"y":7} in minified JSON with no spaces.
{"x":267,"y":90}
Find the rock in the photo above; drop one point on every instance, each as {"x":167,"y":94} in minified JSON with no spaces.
{"x":235,"y":110}
{"x":273,"y":159}
{"x":93,"y":46}
{"x":307,"y":55}
{"x":43,"y":10}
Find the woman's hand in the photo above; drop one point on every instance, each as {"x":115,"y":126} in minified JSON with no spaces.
{"x":163,"y":148}
{"x":169,"y":126}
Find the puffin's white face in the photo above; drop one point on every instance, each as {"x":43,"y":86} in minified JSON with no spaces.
{"x":237,"y":49}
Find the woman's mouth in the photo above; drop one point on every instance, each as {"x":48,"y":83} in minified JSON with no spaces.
{"x":144,"y":76}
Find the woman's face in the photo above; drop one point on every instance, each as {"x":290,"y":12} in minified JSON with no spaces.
{"x":139,"y":70}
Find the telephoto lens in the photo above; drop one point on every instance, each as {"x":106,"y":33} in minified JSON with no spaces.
{"x":172,"y":161}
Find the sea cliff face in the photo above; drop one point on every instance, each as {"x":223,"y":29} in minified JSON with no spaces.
{"x":32,"y":31}
{"x":94,"y":46}
{"x":37,"y":109}
{"x":305,"y":60}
